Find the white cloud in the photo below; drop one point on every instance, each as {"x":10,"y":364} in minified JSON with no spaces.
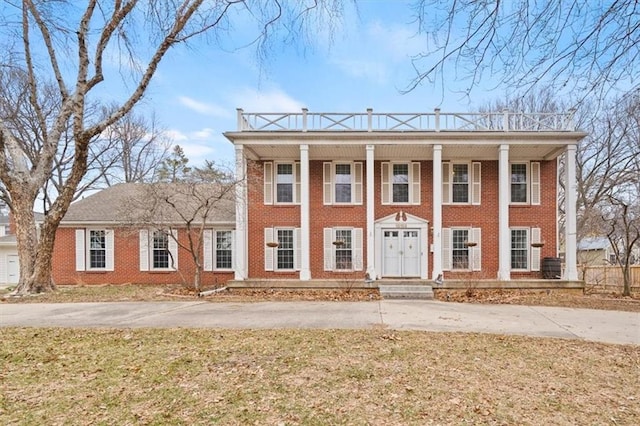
{"x":176,"y":135}
{"x":273,"y":100}
{"x":204,"y":108}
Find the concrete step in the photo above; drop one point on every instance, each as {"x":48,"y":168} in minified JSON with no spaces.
{"x":399,"y":291}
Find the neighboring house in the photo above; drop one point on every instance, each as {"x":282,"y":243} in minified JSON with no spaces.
{"x":594,"y":251}
{"x":4,"y":225}
{"x":9,"y":263}
{"x":115,"y":237}
{"x":377,"y":195}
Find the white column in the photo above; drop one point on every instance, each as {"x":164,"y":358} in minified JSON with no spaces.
{"x":570,"y":199}
{"x":504,"y":233}
{"x":371,"y":242}
{"x":437,"y":211}
{"x":240,"y":256}
{"x":305,"y":224}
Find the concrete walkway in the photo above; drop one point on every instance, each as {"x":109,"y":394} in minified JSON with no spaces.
{"x":586,"y":324}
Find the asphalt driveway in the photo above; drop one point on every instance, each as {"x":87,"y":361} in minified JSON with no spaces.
{"x":586,"y":324}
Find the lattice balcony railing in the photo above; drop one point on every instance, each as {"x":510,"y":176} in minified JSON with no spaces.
{"x":504,"y":121}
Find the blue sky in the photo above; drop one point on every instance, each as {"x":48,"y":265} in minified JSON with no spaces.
{"x":196,"y":90}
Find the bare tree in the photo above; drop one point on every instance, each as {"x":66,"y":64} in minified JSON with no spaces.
{"x":621,"y":223}
{"x":60,"y":42}
{"x":187,"y":204}
{"x":588,"y":48}
{"x":137,"y":146}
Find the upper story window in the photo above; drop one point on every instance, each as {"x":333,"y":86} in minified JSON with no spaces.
{"x":461,"y":183}
{"x":525,"y":183}
{"x":281,"y":183}
{"x":400,"y":183}
{"x":342,"y":183}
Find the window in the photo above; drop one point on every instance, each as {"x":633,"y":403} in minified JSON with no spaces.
{"x":160,"y":257}
{"x":400,"y":183}
{"x":343,"y":253}
{"x":519,"y":183}
{"x":97,"y":249}
{"x":520,"y":249}
{"x":342,"y":183}
{"x":461,"y":249}
{"x":460,"y":253}
{"x":343,"y":249}
{"x":223,"y":249}
{"x":284,"y":183}
{"x":94,"y":249}
{"x":282,"y":251}
{"x":461,"y":183}
{"x":285,"y":256}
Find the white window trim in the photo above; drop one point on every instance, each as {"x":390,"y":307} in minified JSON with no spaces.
{"x":328,"y":180}
{"x":271,"y":183}
{"x":533,"y":170}
{"x":474,"y":184}
{"x":475,"y":252}
{"x":414,"y":182}
{"x":83,"y":249}
{"x":146,"y":250}
{"x":357,"y":251}
{"x":210,"y":249}
{"x":528,"y":247}
{"x":271,"y":253}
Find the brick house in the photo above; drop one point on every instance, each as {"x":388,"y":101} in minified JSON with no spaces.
{"x":402,"y":196}
{"x":111,"y":237}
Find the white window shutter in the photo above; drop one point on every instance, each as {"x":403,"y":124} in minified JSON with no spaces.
{"x":357,"y":185}
{"x":415,"y":183}
{"x":475,"y":183}
{"x":268,"y":183}
{"x":535,"y":183}
{"x":476,"y":251}
{"x":109,"y":240}
{"x":298,"y":186}
{"x":446,"y":249}
{"x":173,"y":249}
{"x":297,"y":244}
{"x":328,"y":249}
{"x":535,"y":251}
{"x":144,"y":250}
{"x":207,"y":250}
{"x":80,"y":250}
{"x":446,"y":183}
{"x":358,"y":260}
{"x":385,"y":178}
{"x":269,"y":254}
{"x":327,"y":183}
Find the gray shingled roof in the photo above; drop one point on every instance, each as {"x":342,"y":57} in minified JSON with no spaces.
{"x":135,"y":203}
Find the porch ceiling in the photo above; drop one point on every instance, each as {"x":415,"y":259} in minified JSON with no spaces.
{"x":401,"y":152}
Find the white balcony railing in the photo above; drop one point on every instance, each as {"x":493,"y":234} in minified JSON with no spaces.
{"x":504,"y":121}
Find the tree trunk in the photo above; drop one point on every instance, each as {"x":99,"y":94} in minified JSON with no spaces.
{"x":34,"y":255}
{"x":626,"y":279}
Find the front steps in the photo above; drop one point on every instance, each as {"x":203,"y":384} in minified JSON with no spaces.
{"x":406,"y":291}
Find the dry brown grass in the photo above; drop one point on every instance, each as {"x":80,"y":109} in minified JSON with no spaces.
{"x":378,"y":377}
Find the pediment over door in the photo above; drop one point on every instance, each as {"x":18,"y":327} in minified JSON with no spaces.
{"x":402,"y":218}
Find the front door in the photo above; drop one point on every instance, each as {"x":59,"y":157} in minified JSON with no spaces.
{"x":401,"y":253}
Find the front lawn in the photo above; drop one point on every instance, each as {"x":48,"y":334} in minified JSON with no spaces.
{"x":318,"y":377}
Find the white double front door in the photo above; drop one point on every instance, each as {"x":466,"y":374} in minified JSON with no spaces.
{"x":401,"y":252}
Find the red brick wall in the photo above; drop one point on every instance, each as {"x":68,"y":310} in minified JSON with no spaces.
{"x":126,"y":263}
{"x":484,"y":216}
